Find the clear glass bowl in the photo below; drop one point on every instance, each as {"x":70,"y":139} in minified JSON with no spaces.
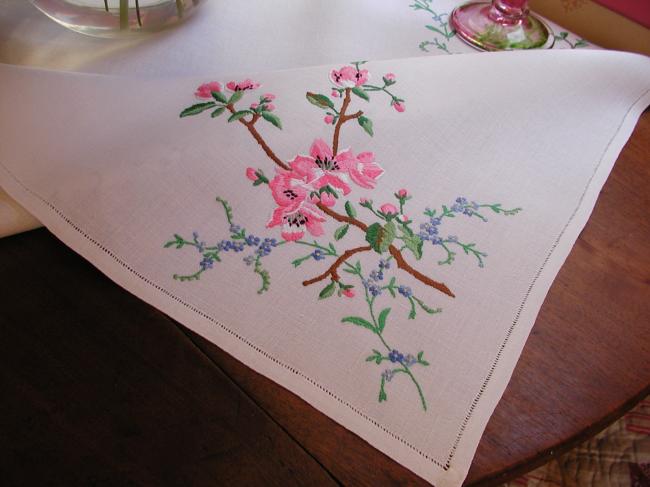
{"x":116,"y":18}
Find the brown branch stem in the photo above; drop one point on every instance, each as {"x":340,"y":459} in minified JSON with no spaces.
{"x":333,"y":269}
{"x":402,"y":264}
{"x":342,"y":119}
{"x":250,"y":125}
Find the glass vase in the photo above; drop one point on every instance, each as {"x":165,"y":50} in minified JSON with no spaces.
{"x":116,"y":18}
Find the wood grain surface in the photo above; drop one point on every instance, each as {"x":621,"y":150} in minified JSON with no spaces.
{"x":99,"y":388}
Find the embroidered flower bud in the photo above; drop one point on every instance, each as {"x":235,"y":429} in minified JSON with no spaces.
{"x":403,"y":218}
{"x":402,"y":193}
{"x":329,"y":119}
{"x":388,"y":209}
{"x":336,"y":94}
{"x":390,"y":77}
{"x":349,"y":293}
{"x":365,"y":201}
{"x":399,"y":106}
{"x":268,"y":96}
{"x":270,"y":107}
{"x":206,"y":89}
{"x":251,"y":174}
{"x":254,"y":106}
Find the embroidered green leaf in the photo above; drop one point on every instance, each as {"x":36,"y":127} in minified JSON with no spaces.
{"x":382,"y":393}
{"x":220,"y":97}
{"x":198,"y":108}
{"x":226,"y":208}
{"x":357,"y":90}
{"x":217,"y":112}
{"x":341,"y":231}
{"x":349,"y":209}
{"x":356,"y":320}
{"x":412,"y":242}
{"x":375,"y":357}
{"x":264,"y":276}
{"x":381,"y":321}
{"x":321,"y":101}
{"x":236,"y":96}
{"x":366,"y":124}
{"x":380,"y":238}
{"x":237,"y":115}
{"x":421,"y":360}
{"x":327,"y":291}
{"x":272,"y":118}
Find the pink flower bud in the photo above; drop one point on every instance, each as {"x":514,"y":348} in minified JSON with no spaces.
{"x":348,"y":292}
{"x":329,"y":119}
{"x":388,"y":209}
{"x":390,"y":76}
{"x":402,"y":193}
{"x":399,"y":106}
{"x":365,"y":201}
{"x":205,"y":90}
{"x":403,"y":218}
{"x":270,"y":107}
{"x":254,"y":106}
{"x":269,"y":96}
{"x":251,"y":174}
{"x":336,"y":94}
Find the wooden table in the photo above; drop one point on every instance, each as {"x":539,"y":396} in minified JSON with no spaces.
{"x":99,"y":388}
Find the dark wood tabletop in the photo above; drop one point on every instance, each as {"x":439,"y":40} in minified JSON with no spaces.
{"x":99,"y":389}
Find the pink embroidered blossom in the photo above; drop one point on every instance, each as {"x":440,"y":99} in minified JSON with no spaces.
{"x":251,"y":174}
{"x":321,"y":168}
{"x":329,"y":119}
{"x":296,"y":213}
{"x":268,"y":96}
{"x":349,"y":76}
{"x":399,"y":106}
{"x":270,"y":107}
{"x":402,"y":193}
{"x":348,"y":292}
{"x":390,"y":77}
{"x":205,"y":90}
{"x":364,"y":171}
{"x":388,"y":209}
{"x":365,"y":201}
{"x":247,"y":84}
{"x":325,"y":198}
{"x":336,"y":93}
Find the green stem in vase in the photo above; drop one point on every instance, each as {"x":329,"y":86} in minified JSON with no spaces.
{"x":137,"y":12}
{"x":124,"y":14}
{"x":179,"y":8}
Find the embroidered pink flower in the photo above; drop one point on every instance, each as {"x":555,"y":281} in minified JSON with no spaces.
{"x":348,"y":292}
{"x":251,"y":174}
{"x":399,"y":106}
{"x":349,"y":76}
{"x":388,"y":209}
{"x":329,"y":119}
{"x":402,"y":193}
{"x":268,"y":96}
{"x":296,"y":213}
{"x":247,"y":84}
{"x":205,"y":90}
{"x":365,"y":171}
{"x":390,"y":77}
{"x":336,"y":94}
{"x":321,"y":168}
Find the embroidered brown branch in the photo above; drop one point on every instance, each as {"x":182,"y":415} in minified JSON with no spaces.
{"x":333,"y":269}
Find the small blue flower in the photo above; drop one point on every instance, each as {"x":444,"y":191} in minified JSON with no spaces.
{"x":452,"y":238}
{"x":474,"y":205}
{"x":376,"y":275}
{"x":393,"y":356}
{"x":436,"y":240}
{"x":461,"y":201}
{"x":405,"y":291}
{"x":410,"y":360}
{"x":195,"y":235}
{"x":456,"y":208}
{"x":252,"y":241}
{"x":384,"y":264}
{"x":200,"y":246}
{"x":249,"y":259}
{"x":207,"y":263}
{"x":225,"y":245}
{"x":468,"y":211}
{"x":435,"y":221}
{"x":423,"y":235}
{"x":235,"y":228}
{"x":387,"y":375}
{"x":318,"y":254}
{"x":374,"y":290}
{"x":238,"y":246}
